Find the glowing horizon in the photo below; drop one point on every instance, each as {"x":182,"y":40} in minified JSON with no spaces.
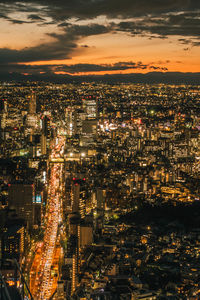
{"x":97,"y":45}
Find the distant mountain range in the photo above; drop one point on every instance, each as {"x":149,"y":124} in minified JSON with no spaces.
{"x":151,"y":77}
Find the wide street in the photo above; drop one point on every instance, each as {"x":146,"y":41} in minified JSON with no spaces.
{"x":44,"y":270}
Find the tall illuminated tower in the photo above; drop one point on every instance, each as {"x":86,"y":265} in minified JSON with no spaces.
{"x":90,"y":124}
{"x":3,"y":113}
{"x":32,"y":119}
{"x":90,"y":108}
{"x":74,"y":271}
{"x":3,"y":119}
{"x":69,"y":121}
{"x":32,"y":103}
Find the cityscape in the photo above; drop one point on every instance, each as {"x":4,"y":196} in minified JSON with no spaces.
{"x":99,"y":150}
{"x":100,"y":191}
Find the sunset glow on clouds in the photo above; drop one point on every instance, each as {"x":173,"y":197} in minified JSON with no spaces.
{"x":99,"y":37}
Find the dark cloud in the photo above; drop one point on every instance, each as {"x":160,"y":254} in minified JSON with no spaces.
{"x":183,"y":24}
{"x":11,"y":20}
{"x":47,"y":51}
{"x":60,"y":48}
{"x":64,"y":9}
{"x":34,"y":17}
{"x":10,"y":7}
{"x":76,"y":68}
{"x":14,"y":21}
{"x":3,"y":16}
{"x":61,"y":9}
{"x":119,"y":66}
{"x":151,"y":77}
{"x":64,"y":24}
{"x":155,"y":18}
{"x":185,"y":41}
{"x":195,"y":43}
{"x":8,"y":10}
{"x":158,"y":68}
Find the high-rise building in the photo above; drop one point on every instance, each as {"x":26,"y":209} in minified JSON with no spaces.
{"x":43,"y":144}
{"x":79,"y":197}
{"x":21,"y":197}
{"x":89,"y":124}
{"x":99,"y":207}
{"x":32,"y":103}
{"x":74,"y":272}
{"x":82,"y":202}
{"x":46,"y":128}
{"x":69,"y":121}
{"x":90,"y":107}
{"x":3,"y":113}
{"x":31,"y":118}
{"x":3,"y":106}
{"x":89,"y":127}
{"x":100,"y":199}
{"x":60,"y":290}
{"x":12,"y":245}
{"x":75,"y":195}
{"x":3,"y":119}
{"x":85,"y":234}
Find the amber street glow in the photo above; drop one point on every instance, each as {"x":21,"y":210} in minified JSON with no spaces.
{"x":43,"y":281}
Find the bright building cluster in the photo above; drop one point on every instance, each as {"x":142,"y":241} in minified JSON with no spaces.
{"x":99,"y":191}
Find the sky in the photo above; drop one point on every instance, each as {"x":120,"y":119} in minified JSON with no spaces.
{"x":86,"y":37}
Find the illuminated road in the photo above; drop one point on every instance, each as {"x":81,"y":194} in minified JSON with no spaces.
{"x":44,"y":270}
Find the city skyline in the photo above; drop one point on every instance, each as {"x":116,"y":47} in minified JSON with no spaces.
{"x":57,"y":39}
{"x":99,"y":150}
{"x":99,"y":191}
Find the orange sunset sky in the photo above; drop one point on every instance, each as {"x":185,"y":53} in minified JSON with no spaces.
{"x":39,"y":37}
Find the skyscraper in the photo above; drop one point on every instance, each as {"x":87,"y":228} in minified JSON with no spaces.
{"x":32,"y":103}
{"x":20,"y":196}
{"x":46,"y":128}
{"x":32,"y":120}
{"x":74,"y":270}
{"x":69,"y":121}
{"x":3,"y":117}
{"x":79,"y":197}
{"x":89,"y":125}
{"x":43,"y":144}
{"x":3,"y":113}
{"x":90,"y":108}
